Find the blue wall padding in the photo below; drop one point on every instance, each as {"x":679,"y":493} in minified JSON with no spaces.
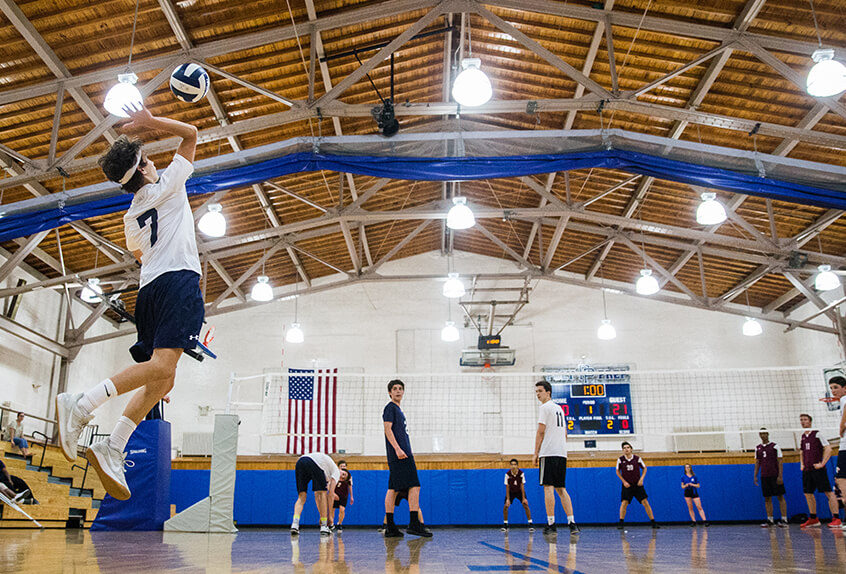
{"x":475,"y":497}
{"x":445,"y":169}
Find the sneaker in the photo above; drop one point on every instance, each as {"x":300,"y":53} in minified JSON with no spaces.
{"x":835,"y":523}
{"x":620,"y":526}
{"x":693,"y":525}
{"x":419,"y":530}
{"x":295,"y":529}
{"x":550,"y":529}
{"x":782,"y":523}
{"x":71,"y":423}
{"x":108,"y":462}
{"x":811,"y":523}
{"x":504,"y":529}
{"x":767,"y":524}
{"x":574,"y":529}
{"x":324,"y":530}
{"x":393,"y":532}
{"x":531,"y":527}
{"x":381,"y":529}
{"x":339,"y":528}
{"x":655,"y":526}
{"x":706,"y":524}
{"x":21,"y":496}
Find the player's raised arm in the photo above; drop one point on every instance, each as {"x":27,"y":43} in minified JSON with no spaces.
{"x":142,"y":118}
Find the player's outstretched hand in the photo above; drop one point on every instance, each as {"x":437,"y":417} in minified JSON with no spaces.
{"x":139,"y":116}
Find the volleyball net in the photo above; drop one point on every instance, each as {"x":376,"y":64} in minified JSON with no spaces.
{"x":668,"y":410}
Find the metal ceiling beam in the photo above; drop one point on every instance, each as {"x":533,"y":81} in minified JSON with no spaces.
{"x":34,"y":338}
{"x":52,"y":61}
{"x":759,"y":273}
{"x":298,"y":264}
{"x":396,"y":248}
{"x":504,"y":246}
{"x":811,"y":296}
{"x":21,"y":253}
{"x":233,"y":287}
{"x":660,"y":268}
{"x":560,"y":227}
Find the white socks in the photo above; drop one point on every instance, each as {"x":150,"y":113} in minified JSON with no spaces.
{"x":570,"y":519}
{"x":96,"y":396}
{"x":120,"y":436}
{"x":550,"y":520}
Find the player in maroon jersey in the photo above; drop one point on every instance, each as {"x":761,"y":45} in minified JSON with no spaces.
{"x":815,"y":454}
{"x":515,"y":489}
{"x":343,"y":492}
{"x":768,"y":460}
{"x":629,"y":468}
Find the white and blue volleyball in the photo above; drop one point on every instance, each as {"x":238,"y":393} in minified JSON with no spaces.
{"x":189,"y":83}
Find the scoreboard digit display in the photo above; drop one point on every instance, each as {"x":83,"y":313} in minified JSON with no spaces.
{"x":594,"y":404}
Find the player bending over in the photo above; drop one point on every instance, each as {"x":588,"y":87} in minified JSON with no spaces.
{"x":321,"y":471}
{"x":515,"y":489}
{"x":169,"y":310}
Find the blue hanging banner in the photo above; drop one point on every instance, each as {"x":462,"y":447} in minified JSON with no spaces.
{"x":148,"y":476}
{"x":446,"y":169}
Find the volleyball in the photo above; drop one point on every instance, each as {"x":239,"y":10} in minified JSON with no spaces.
{"x":189,"y":83}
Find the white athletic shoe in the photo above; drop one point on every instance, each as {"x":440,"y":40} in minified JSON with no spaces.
{"x":71,"y":423}
{"x":324,"y":530}
{"x":295,"y":529}
{"x":20,"y":496}
{"x":108,"y":462}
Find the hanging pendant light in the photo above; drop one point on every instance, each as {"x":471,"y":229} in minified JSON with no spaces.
{"x":646,"y":283}
{"x":449,"y":334}
{"x":213,"y":223}
{"x":460,"y":216}
{"x":826,"y":279}
{"x":453,"y":287}
{"x":751,"y":327}
{"x":262,"y":291}
{"x":92,"y":291}
{"x":710,"y":211}
{"x":827,"y":76}
{"x":606,"y":330}
{"x":472,"y":87}
{"x":122,"y":95}
{"x":295,"y":334}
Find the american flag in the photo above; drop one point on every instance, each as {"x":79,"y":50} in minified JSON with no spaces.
{"x":311,"y":410}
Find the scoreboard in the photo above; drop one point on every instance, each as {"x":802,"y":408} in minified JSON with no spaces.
{"x":592,"y":404}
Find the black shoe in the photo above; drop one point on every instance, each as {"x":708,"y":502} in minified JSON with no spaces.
{"x":655,"y":526}
{"x":393,"y":532}
{"x":781,"y":523}
{"x":620,"y":526}
{"x":339,"y":528}
{"x":707,"y":524}
{"x":573,"y":528}
{"x":693,"y":525}
{"x":550,"y":529}
{"x":419,"y":530}
{"x":381,"y":529}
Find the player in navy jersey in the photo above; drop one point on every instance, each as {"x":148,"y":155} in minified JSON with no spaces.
{"x":815,"y":455}
{"x":837,"y":386}
{"x":169,"y":309}
{"x":690,"y":486}
{"x":768,"y":460}
{"x":629,"y":468}
{"x":403,"y":470}
{"x":515,"y":489}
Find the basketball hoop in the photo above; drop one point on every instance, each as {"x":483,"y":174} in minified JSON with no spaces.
{"x":831,"y":403}
{"x":487,"y":371}
{"x":829,"y":400}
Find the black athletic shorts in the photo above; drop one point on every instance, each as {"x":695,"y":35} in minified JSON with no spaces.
{"x":771,"y":487}
{"x":401,"y":495}
{"x":340,"y":503}
{"x":814,"y":480}
{"x":691,"y":492}
{"x":635,"y":491}
{"x":512,"y":496}
{"x":841,"y":463}
{"x":169,"y":313}
{"x":307,"y":471}
{"x":403,"y":474}
{"x":553,"y":471}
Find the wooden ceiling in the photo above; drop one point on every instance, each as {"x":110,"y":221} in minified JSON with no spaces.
{"x":82,"y":37}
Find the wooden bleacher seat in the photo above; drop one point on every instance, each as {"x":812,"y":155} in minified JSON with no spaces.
{"x":57,"y":505}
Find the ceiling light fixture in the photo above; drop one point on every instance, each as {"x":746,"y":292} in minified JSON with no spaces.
{"x":827,"y":76}
{"x":295,"y":333}
{"x":213,"y":223}
{"x":826,"y":279}
{"x":752,"y":328}
{"x":460,"y":216}
{"x":471,"y":87}
{"x":262,"y":291}
{"x":92,"y":291}
{"x":449,"y":334}
{"x":453,"y":287}
{"x":606,"y":330}
{"x":646,"y":283}
{"x":124,"y":94}
{"x":710,"y":211}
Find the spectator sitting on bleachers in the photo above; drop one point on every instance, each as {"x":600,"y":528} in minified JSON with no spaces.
{"x":17,"y":435}
{"x":19,"y":488}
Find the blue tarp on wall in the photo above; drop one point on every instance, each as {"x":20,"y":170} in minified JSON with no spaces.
{"x":475,"y":497}
{"x":446,"y":169}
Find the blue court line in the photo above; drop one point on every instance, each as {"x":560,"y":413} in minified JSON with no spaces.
{"x":504,"y":568}
{"x":530,"y":559}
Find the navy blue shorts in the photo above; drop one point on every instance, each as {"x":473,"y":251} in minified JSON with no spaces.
{"x":841,"y":463}
{"x":403,"y":474}
{"x":169,"y":314}
{"x":305,"y":471}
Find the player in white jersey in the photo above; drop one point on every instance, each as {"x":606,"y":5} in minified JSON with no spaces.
{"x":169,"y":309}
{"x":837,"y":386}
{"x":551,"y":453}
